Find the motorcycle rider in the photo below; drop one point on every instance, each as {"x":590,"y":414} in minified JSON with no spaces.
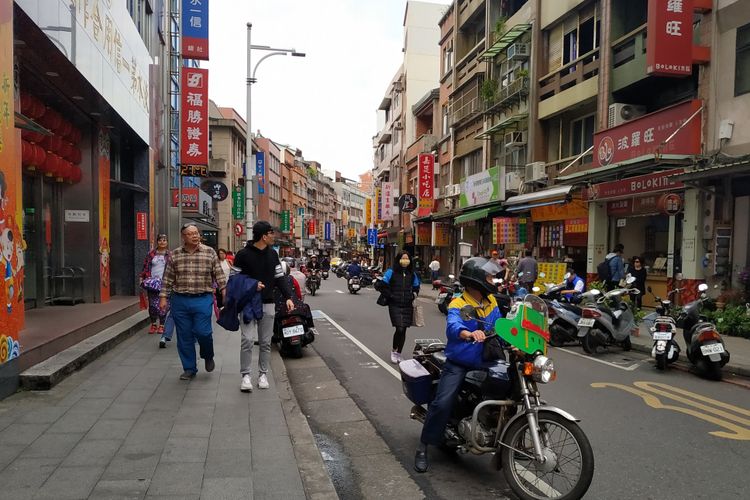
{"x":313,"y":265}
{"x":298,"y":275}
{"x":574,"y":284}
{"x":354,"y":269}
{"x":463,"y":349}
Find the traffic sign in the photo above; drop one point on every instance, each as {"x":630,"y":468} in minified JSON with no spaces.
{"x":238,"y":229}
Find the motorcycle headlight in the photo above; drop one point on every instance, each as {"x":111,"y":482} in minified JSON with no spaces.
{"x":543,"y":370}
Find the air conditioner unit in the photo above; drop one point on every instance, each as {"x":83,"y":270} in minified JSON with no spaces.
{"x":448,"y":204}
{"x":437,"y":192}
{"x":535,"y":171}
{"x":620,"y":113}
{"x":518,"y":51}
{"x":515,"y":139}
{"x":513,"y":181}
{"x":452,"y":190}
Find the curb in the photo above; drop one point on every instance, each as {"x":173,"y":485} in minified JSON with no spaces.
{"x":315,"y":479}
{"x":45,"y":375}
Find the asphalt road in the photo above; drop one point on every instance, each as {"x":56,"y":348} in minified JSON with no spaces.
{"x":655,"y":435}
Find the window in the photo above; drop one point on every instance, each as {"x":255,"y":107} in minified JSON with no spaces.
{"x":445,"y":120}
{"x":742,"y":61}
{"x":447,"y":58}
{"x":581,"y":135}
{"x":575,"y":36}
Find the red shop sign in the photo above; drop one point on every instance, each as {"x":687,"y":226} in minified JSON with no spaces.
{"x":141,"y":225}
{"x":189,"y":198}
{"x":643,"y":136}
{"x":669,"y":45}
{"x":426,"y":183}
{"x":649,"y":183}
{"x":194,"y":117}
{"x":620,"y":207}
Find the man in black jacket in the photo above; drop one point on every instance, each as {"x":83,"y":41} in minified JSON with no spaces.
{"x":259,"y":261}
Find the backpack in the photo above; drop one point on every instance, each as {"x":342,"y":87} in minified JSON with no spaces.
{"x":604,"y":271}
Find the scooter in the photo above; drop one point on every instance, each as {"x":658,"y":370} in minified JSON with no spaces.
{"x":704,"y":346}
{"x":354,"y":285}
{"x":325,"y":274}
{"x":610,"y":322}
{"x":341,"y":270}
{"x":313,"y":282}
{"x":565,"y":312}
{"x":293,"y":331}
{"x":663,"y":331}
{"x":448,"y":292}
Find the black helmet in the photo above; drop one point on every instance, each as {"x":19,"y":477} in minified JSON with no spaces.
{"x":476,"y":272}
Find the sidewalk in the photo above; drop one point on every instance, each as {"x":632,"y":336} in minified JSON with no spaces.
{"x":739,"y":348}
{"x":127,"y":427}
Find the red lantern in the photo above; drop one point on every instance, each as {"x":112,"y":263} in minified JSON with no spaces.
{"x":40,"y":155}
{"x":53,"y":143}
{"x":27,"y":103}
{"x":65,"y":128}
{"x":50,"y":165}
{"x":65,"y":168}
{"x":75,"y":136}
{"x":51,"y":119}
{"x":27,"y":152}
{"x":31,"y":136}
{"x":37,"y":108}
{"x":76,"y":175}
{"x":75,"y":155}
{"x":66,"y":149}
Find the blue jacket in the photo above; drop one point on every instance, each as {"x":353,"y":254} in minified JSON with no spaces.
{"x":571,"y":285}
{"x":463,"y":352}
{"x":354,"y":270}
{"x":242,"y":296}
{"x":616,"y":267}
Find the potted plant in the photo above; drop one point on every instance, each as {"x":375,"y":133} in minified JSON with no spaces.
{"x":499,"y":28}
{"x":489,"y":90}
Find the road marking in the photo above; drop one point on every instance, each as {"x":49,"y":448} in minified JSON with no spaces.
{"x":609,"y":363}
{"x":339,"y":291}
{"x":359,"y":344}
{"x":738,"y":426}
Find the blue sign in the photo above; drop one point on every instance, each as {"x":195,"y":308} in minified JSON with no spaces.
{"x":328,"y":231}
{"x":301,"y":211}
{"x":260,"y":171}
{"x":372,"y":236}
{"x":195,"y":29}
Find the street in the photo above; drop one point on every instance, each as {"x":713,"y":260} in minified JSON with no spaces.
{"x":654,"y":435}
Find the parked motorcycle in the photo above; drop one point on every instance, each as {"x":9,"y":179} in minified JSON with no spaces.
{"x":565,"y":312}
{"x":313,"y":282}
{"x":448,"y":291}
{"x":293,"y":331}
{"x":663,"y":331}
{"x":541,"y":449}
{"x":704,"y":346}
{"x":610,"y":322}
{"x":354,"y":285}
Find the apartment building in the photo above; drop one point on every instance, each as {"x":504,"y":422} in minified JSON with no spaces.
{"x":268,"y":189}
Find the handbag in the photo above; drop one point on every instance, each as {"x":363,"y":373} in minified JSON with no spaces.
{"x":382,"y":300}
{"x":418,"y":316}
{"x":151,"y":284}
{"x":492,"y":350}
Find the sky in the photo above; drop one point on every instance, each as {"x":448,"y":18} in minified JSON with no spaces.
{"x":325,"y":103}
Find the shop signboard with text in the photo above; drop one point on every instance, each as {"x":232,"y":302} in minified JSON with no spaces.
{"x":669,"y":44}
{"x":481,"y":188}
{"x":190,"y":198}
{"x":424,"y":234}
{"x":633,"y":186}
{"x":260,"y":171}
{"x":195,"y":29}
{"x":387,"y":188}
{"x":194,"y":117}
{"x":647,"y":136}
{"x":238,"y":202}
{"x":441,"y":234}
{"x":426,"y":183}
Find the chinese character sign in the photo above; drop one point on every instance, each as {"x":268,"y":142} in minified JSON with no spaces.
{"x":260,"y":171}
{"x":669,"y":50}
{"x":379,"y":206}
{"x":194,"y":117}
{"x":285,"y":221}
{"x":238,"y":202}
{"x":195,"y":29}
{"x":387,"y":189}
{"x":327,"y":233}
{"x":368,"y":212}
{"x":372,"y":237}
{"x":426,"y":183}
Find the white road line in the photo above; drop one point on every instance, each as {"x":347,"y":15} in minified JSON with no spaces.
{"x":626,"y":368}
{"x":359,"y":344}
{"x":339,"y":291}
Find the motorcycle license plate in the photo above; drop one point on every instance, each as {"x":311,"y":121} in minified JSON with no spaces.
{"x":293,"y":331}
{"x":712,"y":349}
{"x":355,"y":287}
{"x":662,"y":335}
{"x":440,"y":298}
{"x":587,"y":322}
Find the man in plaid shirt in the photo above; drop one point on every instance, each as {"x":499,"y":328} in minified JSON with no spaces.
{"x":189,"y":278}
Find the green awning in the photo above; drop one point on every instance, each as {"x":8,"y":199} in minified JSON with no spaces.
{"x":503,"y":125}
{"x":472,"y":216}
{"x":506,"y":39}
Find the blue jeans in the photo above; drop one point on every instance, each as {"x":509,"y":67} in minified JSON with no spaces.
{"x":168,"y":327}
{"x":434,"y":275}
{"x":192,"y":317}
{"x":440,"y":409}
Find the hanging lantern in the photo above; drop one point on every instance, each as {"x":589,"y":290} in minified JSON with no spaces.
{"x":53,"y":143}
{"x":64,"y":170}
{"x":50,"y":165}
{"x":66,"y":149}
{"x":27,"y":103}
{"x":65,"y":128}
{"x":76,"y":175}
{"x":31,"y":136}
{"x":51,"y":119}
{"x":27,"y":152}
{"x":40,"y":155}
{"x":74,"y":136}
{"x":75,"y":155}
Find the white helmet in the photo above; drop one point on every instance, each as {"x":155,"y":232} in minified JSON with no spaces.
{"x":285,"y":268}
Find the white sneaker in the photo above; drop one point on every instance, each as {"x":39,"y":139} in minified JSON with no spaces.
{"x":247,"y":384}
{"x":395,"y":357}
{"x":262,"y":381}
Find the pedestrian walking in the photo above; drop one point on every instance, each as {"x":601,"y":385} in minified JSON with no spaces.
{"x":639,"y":273}
{"x":226,"y":266}
{"x":188,"y":282}
{"x":434,"y":268}
{"x":616,"y":266}
{"x":151,"y":281}
{"x":527,"y":271}
{"x":400,"y":286}
{"x":259,"y":261}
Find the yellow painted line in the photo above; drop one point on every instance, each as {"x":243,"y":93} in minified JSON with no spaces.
{"x":738,"y":432}
{"x":654,"y":387}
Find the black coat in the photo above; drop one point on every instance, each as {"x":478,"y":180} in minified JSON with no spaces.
{"x":400,"y":294}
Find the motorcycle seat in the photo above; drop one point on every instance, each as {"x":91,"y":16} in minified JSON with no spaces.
{"x":572,"y":308}
{"x":439,"y":357}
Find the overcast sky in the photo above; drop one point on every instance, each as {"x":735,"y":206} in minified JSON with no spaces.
{"x":323,"y":104}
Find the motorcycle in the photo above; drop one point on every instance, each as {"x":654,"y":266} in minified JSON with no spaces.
{"x":354,"y":285}
{"x":341,"y":270}
{"x":610,"y":322}
{"x":325,"y":274}
{"x":704,"y":346}
{"x":565,"y":312}
{"x":293,"y":331}
{"x":448,"y":292}
{"x":313,"y":282}
{"x":663,"y":331}
{"x":540,"y":448}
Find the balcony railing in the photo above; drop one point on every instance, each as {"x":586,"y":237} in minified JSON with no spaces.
{"x":508,"y":96}
{"x":570,"y":75}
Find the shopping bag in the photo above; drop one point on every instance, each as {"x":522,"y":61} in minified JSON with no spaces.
{"x":418,"y":316}
{"x":143,"y":301}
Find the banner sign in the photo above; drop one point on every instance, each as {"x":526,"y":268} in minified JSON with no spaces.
{"x":311,"y":228}
{"x":238,"y":203}
{"x":379,"y":206}
{"x":194,"y":117}
{"x":368,"y":212}
{"x":195,"y":29}
{"x":372,"y":236}
{"x":424,"y":234}
{"x":260,"y":171}
{"x":285,"y":221}
{"x":387,"y":188}
{"x":104,"y":215}
{"x":141,"y":226}
{"x":327,"y":234}
{"x":576,"y":225}
{"x":407,"y":203}
{"x":669,"y":44}
{"x":645,"y":135}
{"x":441,"y":234}
{"x":190,"y":198}
{"x":351,"y":233}
{"x":480,"y":188}
{"x":426,"y":183}
{"x":217,"y":190}
{"x":575,"y":209}
{"x":641,"y":184}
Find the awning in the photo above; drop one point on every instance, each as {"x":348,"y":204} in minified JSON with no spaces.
{"x":472,"y":216}
{"x":503,"y":125}
{"x":523,"y":208}
{"x":557,"y":194}
{"x":713,"y":171}
{"x":505,"y":40}
{"x":645,"y":162}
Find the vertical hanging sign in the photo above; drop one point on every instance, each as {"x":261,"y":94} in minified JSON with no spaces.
{"x":426,"y":183}
{"x":104,"y":200}
{"x":378,"y":206}
{"x":368,"y":212}
{"x":669,"y":45}
{"x":194,"y":117}
{"x":327,"y":236}
{"x":195,"y":29}
{"x":260,"y":171}
{"x":12,"y":243}
{"x":285,"y":221}
{"x":387,"y":200}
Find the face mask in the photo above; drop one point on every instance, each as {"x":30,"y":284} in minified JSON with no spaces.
{"x":404,"y":262}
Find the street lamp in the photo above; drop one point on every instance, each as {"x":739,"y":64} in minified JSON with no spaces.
{"x":249,"y":157}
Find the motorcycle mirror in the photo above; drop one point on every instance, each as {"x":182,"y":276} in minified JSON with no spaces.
{"x":536,"y":289}
{"x":567,"y":275}
{"x":467,"y":313}
{"x":452,"y":276}
{"x":542,"y":275}
{"x":595,"y":292}
{"x":702,"y":287}
{"x":630,"y":280}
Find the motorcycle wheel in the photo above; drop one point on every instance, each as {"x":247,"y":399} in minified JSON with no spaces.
{"x":566,"y":441}
{"x":712,"y":370}
{"x":557,"y":337}
{"x":443,"y":308}
{"x":626,"y":344}
{"x":661,"y":361}
{"x":295,"y":351}
{"x":312,"y":291}
{"x":590,"y":343}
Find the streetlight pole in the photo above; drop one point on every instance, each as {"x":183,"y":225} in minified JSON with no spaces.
{"x":249,"y":174}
